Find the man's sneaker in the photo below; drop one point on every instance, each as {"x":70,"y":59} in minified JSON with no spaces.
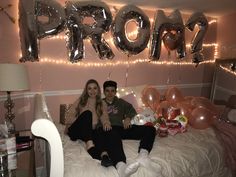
{"x":106,"y":161}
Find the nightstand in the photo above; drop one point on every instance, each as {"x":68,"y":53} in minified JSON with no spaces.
{"x":25,"y":154}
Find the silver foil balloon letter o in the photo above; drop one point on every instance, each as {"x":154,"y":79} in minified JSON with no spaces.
{"x":125,"y":14}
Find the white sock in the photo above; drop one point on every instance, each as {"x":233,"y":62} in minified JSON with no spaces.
{"x":143,"y":157}
{"x":143,"y":153}
{"x":125,"y":170}
{"x":145,"y":161}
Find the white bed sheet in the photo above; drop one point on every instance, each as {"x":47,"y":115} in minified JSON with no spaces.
{"x":195,"y":153}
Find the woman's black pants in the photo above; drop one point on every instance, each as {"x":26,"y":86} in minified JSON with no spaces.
{"x":82,"y":129}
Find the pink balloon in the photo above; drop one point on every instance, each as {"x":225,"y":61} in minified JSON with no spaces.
{"x":151,"y":98}
{"x":165,"y":104}
{"x":185,"y":108}
{"x":205,"y":103}
{"x":158,"y":111}
{"x":201,"y":118}
{"x":174,"y":95}
{"x":188,"y":99}
{"x":172,"y":40}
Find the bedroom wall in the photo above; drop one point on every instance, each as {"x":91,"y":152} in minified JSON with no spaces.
{"x":226,"y":37}
{"x":61,"y":83}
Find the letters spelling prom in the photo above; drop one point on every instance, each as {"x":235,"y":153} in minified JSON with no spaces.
{"x":170,"y":29}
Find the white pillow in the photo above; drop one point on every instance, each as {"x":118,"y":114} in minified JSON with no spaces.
{"x":130,"y":98}
{"x":147,"y":115}
{"x":232,"y":115}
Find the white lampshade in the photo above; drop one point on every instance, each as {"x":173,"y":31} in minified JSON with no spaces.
{"x":13,"y":77}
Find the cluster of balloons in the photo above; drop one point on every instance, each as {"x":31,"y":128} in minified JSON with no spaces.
{"x":200,"y":111}
{"x":169,"y":29}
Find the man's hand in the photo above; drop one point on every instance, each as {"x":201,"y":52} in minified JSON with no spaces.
{"x":127,"y":123}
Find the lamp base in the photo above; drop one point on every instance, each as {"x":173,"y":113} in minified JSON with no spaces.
{"x":10,"y":126}
{"x":9,"y":116}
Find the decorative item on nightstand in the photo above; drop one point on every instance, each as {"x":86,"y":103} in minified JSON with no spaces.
{"x":13,"y":77}
{"x":63,"y":109}
{"x":23,"y":143}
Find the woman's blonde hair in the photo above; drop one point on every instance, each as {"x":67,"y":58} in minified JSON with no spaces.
{"x":84,"y":98}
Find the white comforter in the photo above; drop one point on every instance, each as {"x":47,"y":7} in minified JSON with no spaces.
{"x":195,"y":153}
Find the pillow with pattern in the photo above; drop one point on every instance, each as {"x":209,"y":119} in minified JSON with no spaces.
{"x":68,"y":112}
{"x":232,"y":115}
{"x":130,"y":98}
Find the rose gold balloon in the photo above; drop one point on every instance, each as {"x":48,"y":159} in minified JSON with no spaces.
{"x":203,"y":102}
{"x":151,"y":98}
{"x":201,"y":118}
{"x":188,"y":99}
{"x":171,"y":40}
{"x":143,"y":96}
{"x":165,"y":104}
{"x":158,"y":110}
{"x":173,"y":95}
{"x":185,"y":108}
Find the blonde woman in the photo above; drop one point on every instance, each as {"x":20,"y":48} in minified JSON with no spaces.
{"x":90,"y":111}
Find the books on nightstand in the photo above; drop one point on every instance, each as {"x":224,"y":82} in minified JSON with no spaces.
{"x":9,"y":145}
{"x":23,"y":143}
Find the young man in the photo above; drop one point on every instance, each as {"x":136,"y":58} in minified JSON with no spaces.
{"x":120,"y":114}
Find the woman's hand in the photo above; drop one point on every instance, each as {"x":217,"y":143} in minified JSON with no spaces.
{"x":107,"y":127}
{"x":127,"y":123}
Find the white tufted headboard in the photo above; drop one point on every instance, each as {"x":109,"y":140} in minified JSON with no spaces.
{"x":44,"y":127}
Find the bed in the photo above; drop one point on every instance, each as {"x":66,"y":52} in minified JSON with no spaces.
{"x":195,"y":153}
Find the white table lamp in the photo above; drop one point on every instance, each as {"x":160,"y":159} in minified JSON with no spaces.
{"x":13,"y":77}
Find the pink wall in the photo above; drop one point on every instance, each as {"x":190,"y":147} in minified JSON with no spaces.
{"x":56,"y":79}
{"x":226,"y":37}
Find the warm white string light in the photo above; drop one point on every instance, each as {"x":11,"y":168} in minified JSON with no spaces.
{"x":212,"y":22}
{"x":228,"y":70}
{"x":215,"y":45}
{"x":215,"y":51}
{"x":108,"y":63}
{"x":116,"y":63}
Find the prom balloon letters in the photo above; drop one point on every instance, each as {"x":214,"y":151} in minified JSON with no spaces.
{"x":169,"y":29}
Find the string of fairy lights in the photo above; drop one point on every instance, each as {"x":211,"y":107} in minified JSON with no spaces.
{"x":112,"y":63}
{"x":105,"y":63}
{"x":228,"y":70}
{"x":116,"y":63}
{"x":131,"y":62}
